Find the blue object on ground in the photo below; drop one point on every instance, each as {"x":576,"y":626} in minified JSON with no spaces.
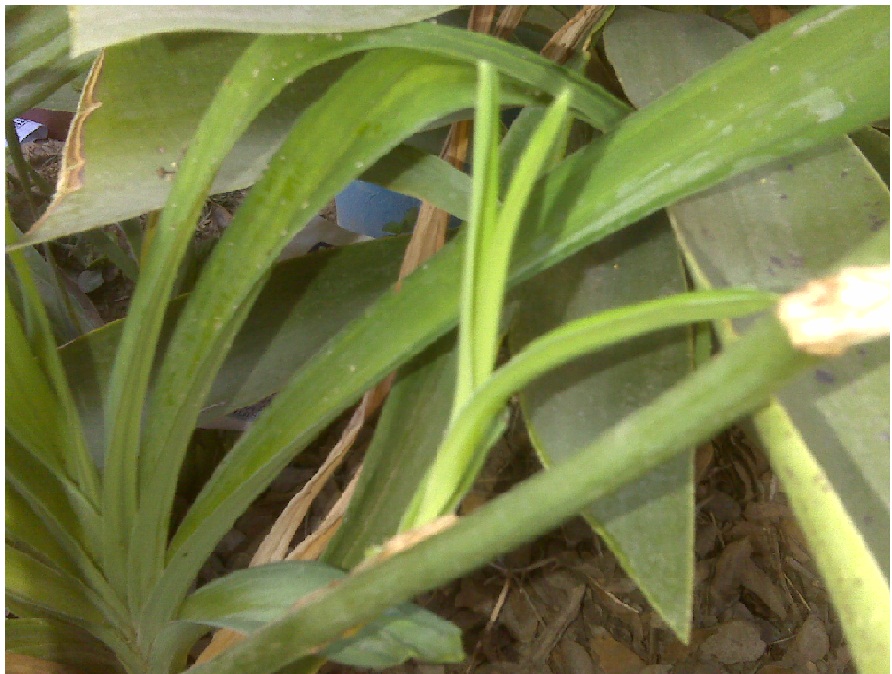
{"x":366,"y":208}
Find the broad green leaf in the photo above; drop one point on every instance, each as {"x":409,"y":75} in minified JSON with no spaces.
{"x":591,"y":194}
{"x":758,"y":362}
{"x":246,"y":600}
{"x":60,"y":642}
{"x":97,"y":26}
{"x":649,"y":524}
{"x":406,"y":439}
{"x":775,"y":228}
{"x":37,"y":60}
{"x":122,"y":180}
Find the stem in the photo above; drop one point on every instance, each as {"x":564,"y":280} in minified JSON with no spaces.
{"x":466,"y":434}
{"x":21,"y":166}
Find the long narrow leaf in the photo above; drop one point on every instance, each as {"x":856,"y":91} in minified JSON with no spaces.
{"x":653,"y":537}
{"x":476,"y":346}
{"x":31,"y":581}
{"x":407,"y":95}
{"x":690,"y":412}
{"x":591,"y":203}
{"x":60,"y":642}
{"x":24,"y":528}
{"x":407,"y":92}
{"x":36,"y":326}
{"x":128,"y":71}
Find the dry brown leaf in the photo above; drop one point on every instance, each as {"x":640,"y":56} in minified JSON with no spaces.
{"x":812,"y":642}
{"x":760,"y":584}
{"x":728,"y":570}
{"x":561,"y":47}
{"x":734,"y":642}
{"x":827,"y":316}
{"x":614,"y":657}
{"x":510,"y":17}
{"x":313,"y":546}
{"x":768,"y":16}
{"x":546,"y":641}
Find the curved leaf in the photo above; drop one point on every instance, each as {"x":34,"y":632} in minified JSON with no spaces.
{"x":246,"y":600}
{"x":37,"y":60}
{"x":405,"y":443}
{"x":97,"y":26}
{"x":591,"y":194}
{"x":33,"y":582}
{"x":386,"y":96}
{"x":649,"y":525}
{"x":776,"y":228}
{"x":60,"y":642}
{"x":24,"y":528}
{"x":122,"y":180}
{"x":307,"y":300}
{"x":689,"y":413}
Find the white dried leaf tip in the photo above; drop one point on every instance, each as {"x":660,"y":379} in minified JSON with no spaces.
{"x":829,"y":315}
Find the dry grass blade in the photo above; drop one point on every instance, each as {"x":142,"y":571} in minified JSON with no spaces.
{"x":313,"y":546}
{"x":563,"y":43}
{"x":274,"y":547}
{"x":768,"y":16}
{"x":508,"y":20}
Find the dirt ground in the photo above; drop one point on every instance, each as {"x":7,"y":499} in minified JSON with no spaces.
{"x":562,"y":604}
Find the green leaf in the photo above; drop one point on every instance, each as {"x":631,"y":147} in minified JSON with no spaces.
{"x":35,"y":327}
{"x":97,"y":26}
{"x":478,"y":324}
{"x":33,"y":582}
{"x":122,"y":180}
{"x":37,"y":60}
{"x":307,"y":299}
{"x":406,"y":438}
{"x":649,"y":524}
{"x":33,"y":414}
{"x":24,"y":528}
{"x":246,"y":600}
{"x":488,"y":248}
{"x":591,"y":194}
{"x":69,"y":309}
{"x":385,"y":97}
{"x":775,"y":228}
{"x":689,"y":413}
{"x":60,"y":642}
